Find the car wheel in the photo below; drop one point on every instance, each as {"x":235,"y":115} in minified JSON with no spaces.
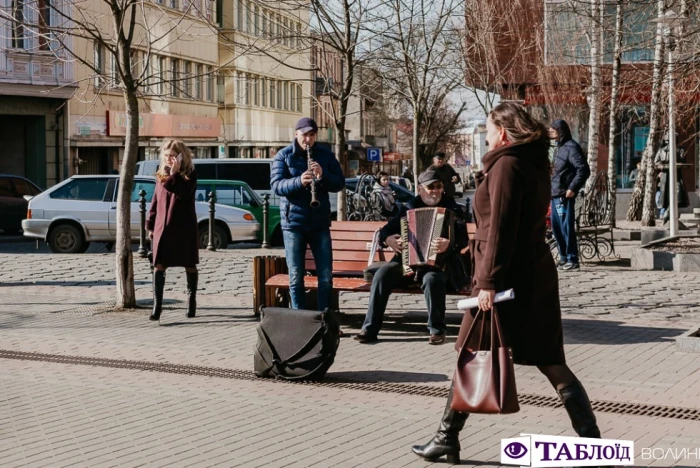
{"x":277,"y":239}
{"x":66,"y":239}
{"x":219,"y":239}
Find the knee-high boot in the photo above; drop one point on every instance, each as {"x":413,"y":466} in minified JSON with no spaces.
{"x":158,"y":286}
{"x":192,"y":279}
{"x":577,"y":404}
{"x":446,"y":440}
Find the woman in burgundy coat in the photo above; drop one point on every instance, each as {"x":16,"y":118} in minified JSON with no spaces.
{"x":509,"y":250}
{"x":172,"y":223}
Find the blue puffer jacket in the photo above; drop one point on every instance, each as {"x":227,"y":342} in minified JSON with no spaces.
{"x":295,"y":205}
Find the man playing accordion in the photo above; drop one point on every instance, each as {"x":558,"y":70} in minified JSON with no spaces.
{"x":435,"y":280}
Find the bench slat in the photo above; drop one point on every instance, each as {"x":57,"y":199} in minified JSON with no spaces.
{"x":344,"y":284}
{"x":341,"y":255}
{"x":354,"y":226}
{"x":345,"y":268}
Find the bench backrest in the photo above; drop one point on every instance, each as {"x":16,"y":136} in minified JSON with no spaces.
{"x":352,"y":242}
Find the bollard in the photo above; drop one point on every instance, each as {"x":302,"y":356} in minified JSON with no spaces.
{"x":468,"y":210}
{"x":143,"y":253}
{"x":266,"y":220}
{"x":212,"y":210}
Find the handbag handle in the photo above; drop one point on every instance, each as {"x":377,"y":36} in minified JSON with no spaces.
{"x":496,"y":330}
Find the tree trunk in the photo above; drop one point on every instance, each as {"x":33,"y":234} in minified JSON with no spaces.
{"x":126,"y":295}
{"x":342,"y":154}
{"x":642,"y":201}
{"x":594,"y":91}
{"x":416,"y":155}
{"x":613,"y":141}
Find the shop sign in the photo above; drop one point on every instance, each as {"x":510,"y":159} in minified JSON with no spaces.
{"x":162,"y":125}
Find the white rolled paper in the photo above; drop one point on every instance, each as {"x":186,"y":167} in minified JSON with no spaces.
{"x":471,"y":302}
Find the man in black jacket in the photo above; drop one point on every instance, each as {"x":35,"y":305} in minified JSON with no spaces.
{"x":446,"y":173}
{"x":433,"y":281}
{"x":570,"y":171}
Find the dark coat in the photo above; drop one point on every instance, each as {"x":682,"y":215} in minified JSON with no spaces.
{"x":173,"y":220}
{"x":446,"y":173}
{"x":455,"y":265}
{"x":509,"y":251}
{"x":285,"y":179}
{"x":570,"y":169}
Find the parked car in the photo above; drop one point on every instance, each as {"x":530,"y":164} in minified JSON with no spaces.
{"x":403,"y":182}
{"x":254,"y":172}
{"x":13,"y":205}
{"x":239,"y":194}
{"x":83,"y":209}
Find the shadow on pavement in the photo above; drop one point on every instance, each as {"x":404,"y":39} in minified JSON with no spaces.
{"x":194,"y":322}
{"x":611,"y":332}
{"x":386,"y":376}
{"x":68,"y":283}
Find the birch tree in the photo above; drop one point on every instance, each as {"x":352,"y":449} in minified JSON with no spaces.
{"x":613,"y":141}
{"x":593,"y":92}
{"x":118,"y":31}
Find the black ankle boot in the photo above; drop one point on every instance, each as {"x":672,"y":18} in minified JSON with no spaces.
{"x":577,"y":404}
{"x":446,"y":440}
{"x":192,"y":294}
{"x":158,"y":286}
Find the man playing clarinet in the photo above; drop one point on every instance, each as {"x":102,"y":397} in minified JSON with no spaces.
{"x":434,"y":281}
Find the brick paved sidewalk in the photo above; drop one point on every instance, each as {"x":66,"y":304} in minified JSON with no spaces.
{"x":619,"y":329}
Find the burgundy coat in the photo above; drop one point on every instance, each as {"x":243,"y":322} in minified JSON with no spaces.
{"x":509,"y":251}
{"x":173,"y":220}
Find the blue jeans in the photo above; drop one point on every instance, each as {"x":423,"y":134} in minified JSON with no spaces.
{"x":295,"y":250}
{"x":564,"y":228}
{"x":388,"y":278}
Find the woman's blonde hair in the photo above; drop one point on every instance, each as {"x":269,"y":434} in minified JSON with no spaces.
{"x":519,"y":125}
{"x":186,"y":167}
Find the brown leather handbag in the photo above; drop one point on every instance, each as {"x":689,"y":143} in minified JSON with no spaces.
{"x":484,"y":380}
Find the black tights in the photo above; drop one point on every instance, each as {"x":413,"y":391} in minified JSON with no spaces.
{"x":559,"y":375}
{"x":163,"y":268}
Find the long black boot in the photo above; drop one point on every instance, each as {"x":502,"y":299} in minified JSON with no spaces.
{"x":158,"y":286}
{"x":192,"y":293}
{"x":577,"y":404}
{"x":446,"y":440}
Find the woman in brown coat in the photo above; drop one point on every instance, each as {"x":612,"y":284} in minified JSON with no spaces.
{"x":509,"y":249}
{"x":172,"y":223}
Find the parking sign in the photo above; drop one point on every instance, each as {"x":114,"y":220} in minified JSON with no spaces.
{"x":374,"y":154}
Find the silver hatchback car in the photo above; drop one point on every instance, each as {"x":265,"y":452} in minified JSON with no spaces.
{"x":83,"y":209}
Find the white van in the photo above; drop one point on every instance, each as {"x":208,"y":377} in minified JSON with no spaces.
{"x":255,"y":172}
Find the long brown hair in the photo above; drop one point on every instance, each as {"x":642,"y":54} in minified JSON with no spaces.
{"x":186,"y":167}
{"x":518,"y":124}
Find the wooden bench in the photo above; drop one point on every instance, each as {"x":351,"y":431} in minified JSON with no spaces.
{"x":352,"y":242}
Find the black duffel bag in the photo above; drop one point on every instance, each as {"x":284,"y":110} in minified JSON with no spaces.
{"x":295,"y":344}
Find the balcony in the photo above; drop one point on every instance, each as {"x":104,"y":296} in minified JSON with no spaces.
{"x":38,"y":74}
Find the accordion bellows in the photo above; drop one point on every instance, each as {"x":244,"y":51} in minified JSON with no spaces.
{"x":419,"y":229}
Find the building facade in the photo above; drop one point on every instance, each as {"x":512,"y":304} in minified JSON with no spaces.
{"x":34,"y":90}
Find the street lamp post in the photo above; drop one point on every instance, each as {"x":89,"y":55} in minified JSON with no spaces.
{"x":672,"y":23}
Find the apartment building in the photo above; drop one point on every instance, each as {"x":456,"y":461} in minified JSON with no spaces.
{"x":264,"y":79}
{"x":328,"y":75}
{"x":34,"y":89}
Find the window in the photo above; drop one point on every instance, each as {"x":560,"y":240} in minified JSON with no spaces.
{"x":198,"y":83}
{"x":255,"y":174}
{"x":160,"y":76}
{"x":300,"y":98}
{"x":256,"y":91}
{"x":248,"y":18}
{"x":279,"y":96}
{"x":44,"y":23}
{"x":210,"y":84}
{"x":173,"y":4}
{"x":247,"y":89}
{"x":146,"y":185}
{"x":292,"y":96}
{"x":285,"y":38}
{"x":187,"y":79}
{"x":264,"y":31}
{"x":298,"y":34}
{"x":18,"y":28}
{"x":239,"y":15}
{"x":82,"y":189}
{"x":99,"y":65}
{"x":263,"y":88}
{"x":174,"y":87}
{"x":114,"y":75}
{"x":257,"y":21}
{"x":22,"y":187}
{"x":221,"y":89}
{"x":272,"y":93}
{"x":286,"y":96}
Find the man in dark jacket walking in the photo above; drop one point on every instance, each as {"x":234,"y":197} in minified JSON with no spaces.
{"x":291,"y":178}
{"x":433,"y":281}
{"x":447,"y":173}
{"x":570,"y":172}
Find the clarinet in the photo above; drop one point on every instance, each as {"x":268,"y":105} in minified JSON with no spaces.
{"x":314,"y":196}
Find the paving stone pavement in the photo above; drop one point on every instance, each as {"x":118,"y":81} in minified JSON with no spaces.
{"x":619,"y":324}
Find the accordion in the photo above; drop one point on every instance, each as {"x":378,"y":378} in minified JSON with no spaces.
{"x":419,"y":229}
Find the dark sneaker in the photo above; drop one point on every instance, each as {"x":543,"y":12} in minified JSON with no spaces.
{"x":571,"y":266}
{"x":561,"y":263}
{"x":436,"y":339}
{"x":364,"y":337}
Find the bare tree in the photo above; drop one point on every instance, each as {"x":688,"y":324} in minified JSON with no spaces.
{"x":118,"y":30}
{"x":420,"y":56}
{"x":613,"y":107}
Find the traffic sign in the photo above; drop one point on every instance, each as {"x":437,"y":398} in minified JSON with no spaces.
{"x":374,"y":154}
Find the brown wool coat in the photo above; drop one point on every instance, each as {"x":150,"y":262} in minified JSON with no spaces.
{"x":173,"y":220}
{"x":509,"y":251}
